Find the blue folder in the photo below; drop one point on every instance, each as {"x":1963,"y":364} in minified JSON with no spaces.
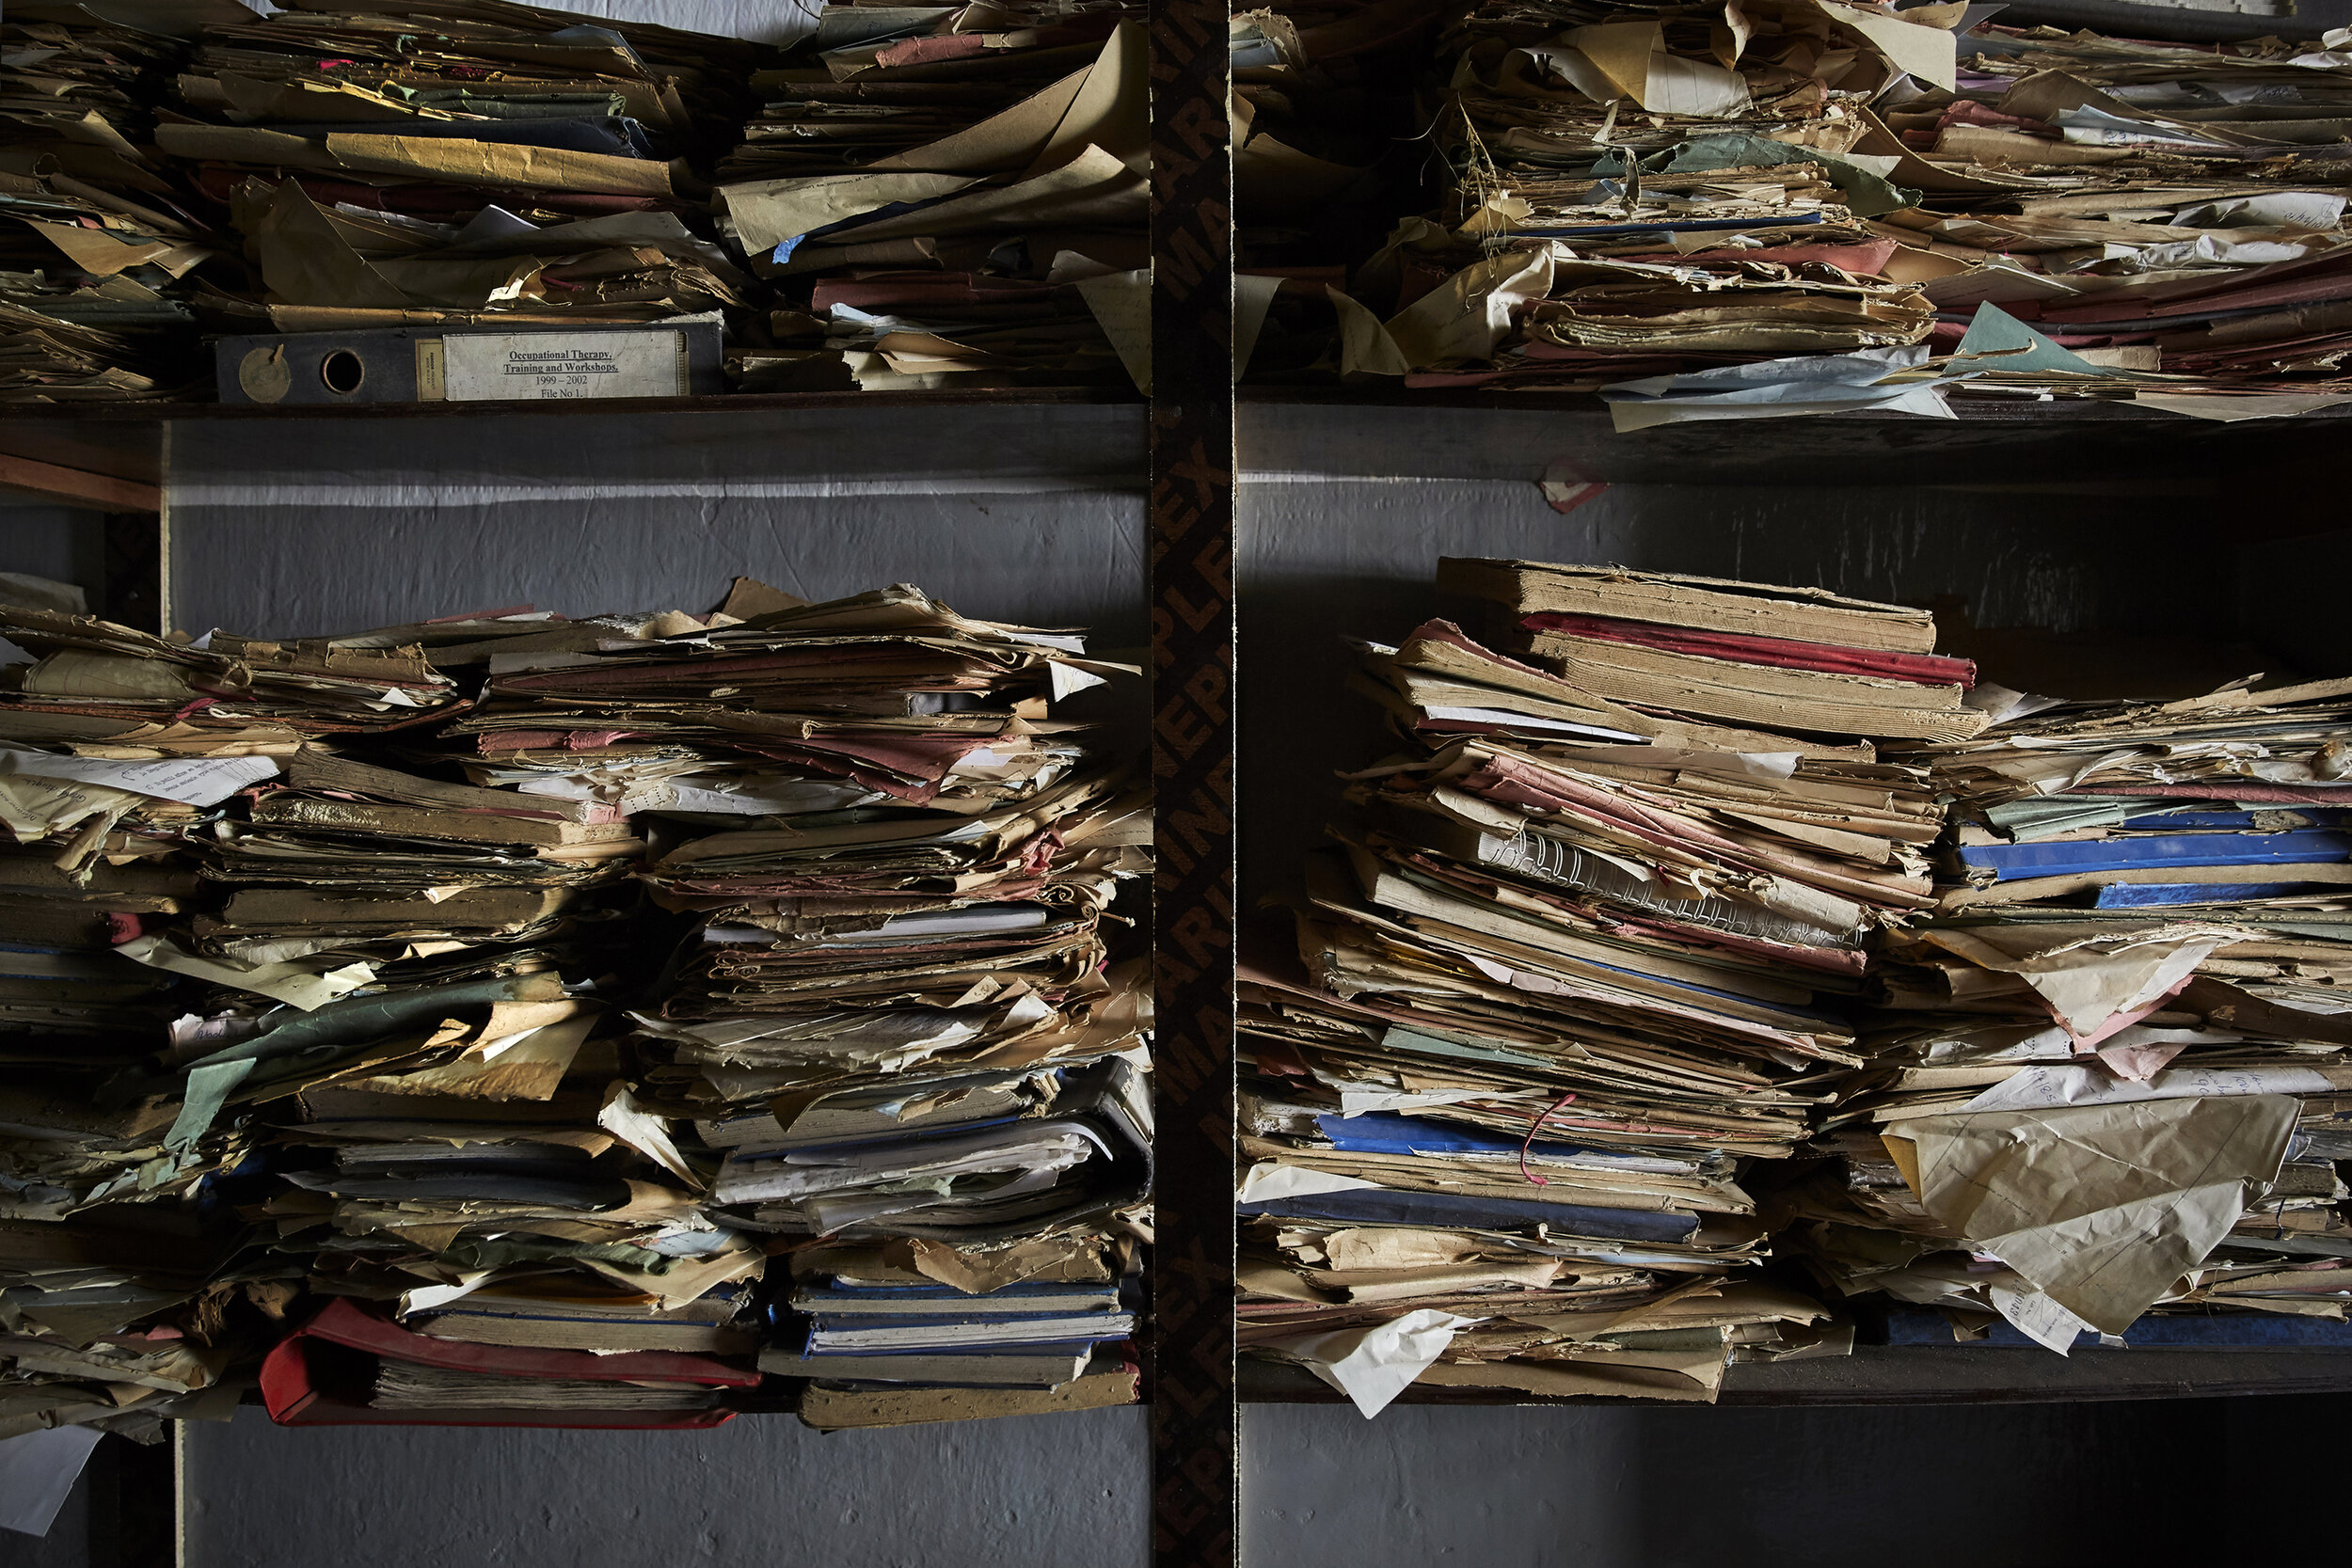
{"x":1924,"y":1325}
{"x":1452,"y":1211}
{"x":1386,"y":1133}
{"x":2142,"y":895}
{"x":2153,"y":851}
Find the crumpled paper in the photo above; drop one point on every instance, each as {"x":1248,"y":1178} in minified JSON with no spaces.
{"x":1372,"y":1365}
{"x":2101,"y":1207}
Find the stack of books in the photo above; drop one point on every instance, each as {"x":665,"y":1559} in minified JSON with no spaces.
{"x":879,"y":1351}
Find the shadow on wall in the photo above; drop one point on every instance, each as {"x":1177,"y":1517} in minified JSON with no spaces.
{"x":2121,"y":1485}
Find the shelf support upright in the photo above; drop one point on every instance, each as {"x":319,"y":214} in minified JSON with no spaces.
{"x":1194,"y":1415}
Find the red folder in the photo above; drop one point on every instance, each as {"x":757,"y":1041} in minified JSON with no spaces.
{"x":317,"y":1376}
{"x":1778,"y":652}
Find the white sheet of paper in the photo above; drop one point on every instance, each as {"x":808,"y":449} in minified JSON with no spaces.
{"x":1356,"y":1103}
{"x":648,"y":1133}
{"x":1269,"y":1183}
{"x":190,"y":781}
{"x":296,"y":985}
{"x":2037,"y":1317}
{"x":36,"y":1474}
{"x":1372,"y":1365}
{"x":1771,"y":388}
{"x":481,"y":367}
{"x":2041,"y":1088}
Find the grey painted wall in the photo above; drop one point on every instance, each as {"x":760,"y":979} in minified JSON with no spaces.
{"x":2128,"y":1485}
{"x":758,"y":1491}
{"x":56,"y":542}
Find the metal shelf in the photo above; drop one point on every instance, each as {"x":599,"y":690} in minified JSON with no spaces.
{"x":1920,"y":1374}
{"x":738,"y":402}
{"x":1304,"y":433}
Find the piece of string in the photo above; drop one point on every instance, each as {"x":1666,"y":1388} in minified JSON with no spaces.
{"x":1529,"y":1143}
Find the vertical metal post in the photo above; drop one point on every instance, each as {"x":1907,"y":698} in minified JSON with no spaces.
{"x":1193,"y":1413}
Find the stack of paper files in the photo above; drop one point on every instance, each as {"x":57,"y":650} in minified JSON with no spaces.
{"x":281,"y":965}
{"x":1797,"y":659}
{"x":1633,"y":192}
{"x":1586,"y":947}
{"x":129,"y":1314}
{"x":137,"y":1055}
{"x":606,"y":1320}
{"x":891,"y":1010}
{"x":913,"y":1329}
{"x":1638,"y":195}
{"x":2111,"y":1075}
{"x":400,"y":165}
{"x":98,"y":261}
{"x":948,"y":197}
{"x":2161,"y":207}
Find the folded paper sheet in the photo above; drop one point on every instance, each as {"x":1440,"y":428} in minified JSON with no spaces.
{"x":2103,"y":1207}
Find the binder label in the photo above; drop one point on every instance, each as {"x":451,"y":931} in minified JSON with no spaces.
{"x":504,"y":367}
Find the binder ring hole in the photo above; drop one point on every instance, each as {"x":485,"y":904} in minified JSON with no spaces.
{"x":343,"y":372}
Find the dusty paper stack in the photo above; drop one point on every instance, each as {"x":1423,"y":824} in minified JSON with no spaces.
{"x":2160,"y":207}
{"x":98,"y":264}
{"x":491,"y":1183}
{"x":1589,"y":945}
{"x":1635,"y":194}
{"x":128,"y":1250}
{"x":1816,"y":205}
{"x":921,"y":1329}
{"x":888,"y":1020}
{"x":399,"y":165}
{"x":2112,"y":1078}
{"x":114,"y":1310}
{"x":377,"y":1051}
{"x":948,"y":197}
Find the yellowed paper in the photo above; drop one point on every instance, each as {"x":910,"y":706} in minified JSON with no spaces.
{"x":1122,"y":303}
{"x":1252,"y":298}
{"x":766,"y":213}
{"x":2102,"y":1207}
{"x":1928,"y":53}
{"x":1112,"y":108}
{"x":1093,"y":189}
{"x":1365,"y":347}
{"x":1469,"y":313}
